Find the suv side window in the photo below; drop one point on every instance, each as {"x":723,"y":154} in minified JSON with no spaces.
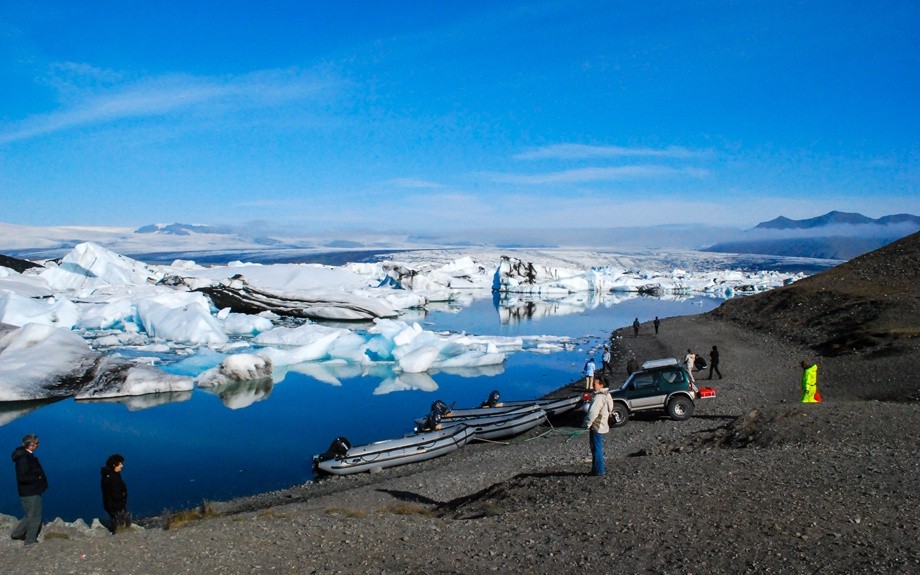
{"x":671,"y":376}
{"x":644,"y":381}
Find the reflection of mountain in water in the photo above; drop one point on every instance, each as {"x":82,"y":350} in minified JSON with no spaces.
{"x":138,"y":402}
{"x":240,"y":394}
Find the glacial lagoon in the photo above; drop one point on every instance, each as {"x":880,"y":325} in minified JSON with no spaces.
{"x":182,"y":449}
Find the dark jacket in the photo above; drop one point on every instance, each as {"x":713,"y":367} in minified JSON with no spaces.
{"x":30,"y":477}
{"x":114,"y":491}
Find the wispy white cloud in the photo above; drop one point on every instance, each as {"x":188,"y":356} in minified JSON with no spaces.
{"x":584,"y":151}
{"x":166,"y":95}
{"x":415,"y":183}
{"x":615,"y":173}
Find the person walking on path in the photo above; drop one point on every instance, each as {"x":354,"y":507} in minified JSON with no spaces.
{"x":690,"y":362}
{"x":657,"y":324}
{"x":605,"y":359}
{"x":31,"y":483}
{"x":597,"y":425}
{"x":115,"y":493}
{"x":636,"y":327}
{"x":714,"y":362}
{"x":589,"y":373}
{"x":810,"y":383}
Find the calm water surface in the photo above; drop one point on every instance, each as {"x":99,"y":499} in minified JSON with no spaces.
{"x":195,"y":448}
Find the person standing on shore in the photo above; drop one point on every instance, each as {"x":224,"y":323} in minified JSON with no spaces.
{"x":596,"y":423}
{"x":714,"y":362}
{"x":605,"y":359}
{"x":589,"y":373}
{"x":115,"y":493}
{"x":657,"y":324}
{"x":636,"y":327}
{"x":632,"y":365}
{"x":810,"y":383}
{"x":31,"y":483}
{"x":690,"y":362}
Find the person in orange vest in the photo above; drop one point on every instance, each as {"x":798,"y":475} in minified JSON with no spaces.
{"x":810,"y":383}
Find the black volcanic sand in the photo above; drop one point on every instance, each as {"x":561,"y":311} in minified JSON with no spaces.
{"x":755,"y":482}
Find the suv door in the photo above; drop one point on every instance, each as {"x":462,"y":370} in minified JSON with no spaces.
{"x":643,"y":391}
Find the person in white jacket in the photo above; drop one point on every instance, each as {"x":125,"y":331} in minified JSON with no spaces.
{"x":690,"y":362}
{"x":596,"y":423}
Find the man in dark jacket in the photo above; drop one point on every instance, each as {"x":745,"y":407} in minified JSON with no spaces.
{"x":115,"y":493}
{"x":31,"y":481}
{"x":714,"y":362}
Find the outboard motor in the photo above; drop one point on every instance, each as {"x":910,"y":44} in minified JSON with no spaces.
{"x":440,"y":407}
{"x":494,"y":399}
{"x":432,"y":420}
{"x":337,"y":449}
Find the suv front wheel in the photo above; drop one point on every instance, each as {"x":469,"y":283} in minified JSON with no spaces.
{"x":619,"y":416}
{"x":680,"y":408}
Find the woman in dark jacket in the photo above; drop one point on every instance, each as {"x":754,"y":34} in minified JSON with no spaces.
{"x":115,"y":493}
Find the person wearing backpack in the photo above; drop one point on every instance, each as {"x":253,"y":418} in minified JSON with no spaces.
{"x":596,"y":423}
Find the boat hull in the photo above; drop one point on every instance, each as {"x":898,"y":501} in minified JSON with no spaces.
{"x":392,"y":452}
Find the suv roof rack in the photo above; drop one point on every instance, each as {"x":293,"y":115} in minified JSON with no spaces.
{"x":659,"y":363}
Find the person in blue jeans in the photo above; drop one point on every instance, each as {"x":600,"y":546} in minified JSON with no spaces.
{"x":596,"y":423}
{"x":31,"y":482}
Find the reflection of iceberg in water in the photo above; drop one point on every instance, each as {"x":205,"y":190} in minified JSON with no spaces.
{"x":483,"y":371}
{"x":424,"y":382}
{"x":406,"y":382}
{"x":240,"y":394}
{"x":138,"y":402}
{"x":12,"y":410}
{"x":516,"y":308}
{"x":333,"y":372}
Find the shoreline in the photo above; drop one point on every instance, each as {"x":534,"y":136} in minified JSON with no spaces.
{"x":753,"y":482}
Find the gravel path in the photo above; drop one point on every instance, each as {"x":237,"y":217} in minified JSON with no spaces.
{"x":755,"y":482}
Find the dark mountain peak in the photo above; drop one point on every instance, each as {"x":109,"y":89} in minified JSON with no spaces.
{"x":780,"y":223}
{"x":899,"y":219}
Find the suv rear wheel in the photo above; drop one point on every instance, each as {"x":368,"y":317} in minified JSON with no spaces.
{"x":680,"y":408}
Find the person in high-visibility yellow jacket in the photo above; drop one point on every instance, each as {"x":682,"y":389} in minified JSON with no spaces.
{"x":810,"y":383}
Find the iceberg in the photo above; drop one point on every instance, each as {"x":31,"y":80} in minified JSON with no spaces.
{"x":41,"y":361}
{"x":117,"y":378}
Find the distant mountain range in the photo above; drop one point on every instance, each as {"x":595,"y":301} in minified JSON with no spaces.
{"x":836,"y":218}
{"x":835,"y":235}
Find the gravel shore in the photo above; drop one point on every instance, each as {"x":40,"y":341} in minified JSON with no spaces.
{"x":755,"y":482}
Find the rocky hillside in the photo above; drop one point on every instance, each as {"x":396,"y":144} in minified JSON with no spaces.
{"x":868,"y":308}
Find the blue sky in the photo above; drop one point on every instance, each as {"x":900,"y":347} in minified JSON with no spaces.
{"x":428,"y":116}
